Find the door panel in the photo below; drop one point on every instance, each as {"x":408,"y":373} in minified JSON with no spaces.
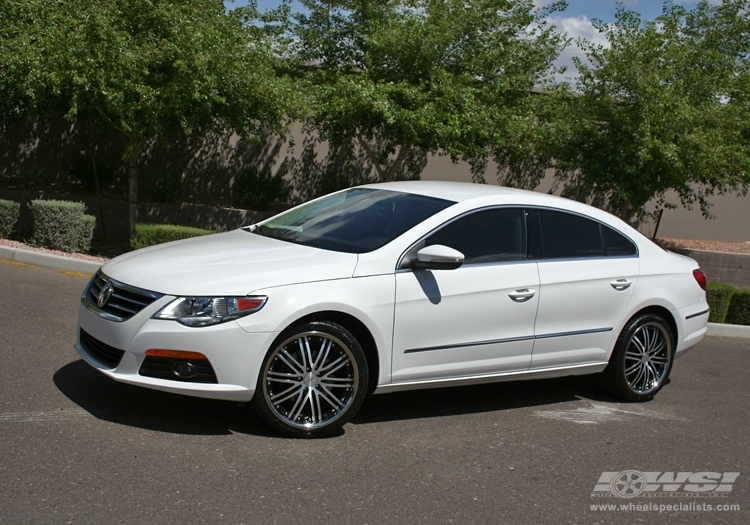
{"x":582,"y":302}
{"x":451,"y":323}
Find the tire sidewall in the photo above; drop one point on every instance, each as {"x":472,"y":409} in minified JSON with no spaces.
{"x":615,"y":372}
{"x":266,"y":411}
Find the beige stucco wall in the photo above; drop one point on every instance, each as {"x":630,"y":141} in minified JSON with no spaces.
{"x":732,"y":212}
{"x":210,"y":164}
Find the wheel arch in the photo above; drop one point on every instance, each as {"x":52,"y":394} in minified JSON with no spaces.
{"x":663,"y":313}
{"x":360,"y":332}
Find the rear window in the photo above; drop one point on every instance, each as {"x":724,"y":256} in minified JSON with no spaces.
{"x":359,"y":220}
{"x":565,"y":235}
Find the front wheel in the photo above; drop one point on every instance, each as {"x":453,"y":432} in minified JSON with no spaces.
{"x":312,"y":381}
{"x":642,"y":358}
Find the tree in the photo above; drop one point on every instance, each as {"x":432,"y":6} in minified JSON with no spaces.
{"x":142,"y":66}
{"x":664,"y":107}
{"x":399,"y":77}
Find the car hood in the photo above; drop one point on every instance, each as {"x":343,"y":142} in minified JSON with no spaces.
{"x":232,"y":263}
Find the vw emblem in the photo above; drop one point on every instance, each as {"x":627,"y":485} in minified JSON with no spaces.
{"x":105,"y":294}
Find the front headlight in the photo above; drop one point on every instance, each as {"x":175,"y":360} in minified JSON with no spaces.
{"x":206,"y":311}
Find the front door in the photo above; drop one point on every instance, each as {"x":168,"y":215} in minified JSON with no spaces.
{"x":474,"y":320}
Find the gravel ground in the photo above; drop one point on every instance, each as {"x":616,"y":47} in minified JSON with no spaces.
{"x":22,"y":246}
{"x":709,"y":246}
{"x":666,"y":242}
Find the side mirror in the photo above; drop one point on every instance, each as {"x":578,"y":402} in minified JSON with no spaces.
{"x":438,"y":257}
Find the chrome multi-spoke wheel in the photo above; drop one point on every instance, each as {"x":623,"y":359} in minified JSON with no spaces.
{"x":642,"y":358}
{"x":312,"y":381}
{"x":648,"y":357}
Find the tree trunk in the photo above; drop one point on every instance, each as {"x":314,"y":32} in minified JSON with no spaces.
{"x":92,"y":152}
{"x":390,"y":175}
{"x":135,"y":151}
{"x":398,"y":162}
{"x":371,"y":155}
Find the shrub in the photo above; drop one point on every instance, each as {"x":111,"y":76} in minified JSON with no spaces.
{"x":257,"y":190}
{"x":151,"y":234}
{"x":9,"y":212}
{"x":719,"y":296}
{"x":739,"y":308}
{"x":61,"y":225}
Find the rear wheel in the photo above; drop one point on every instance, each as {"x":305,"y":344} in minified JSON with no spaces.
{"x":642,"y":358}
{"x":312,"y":381}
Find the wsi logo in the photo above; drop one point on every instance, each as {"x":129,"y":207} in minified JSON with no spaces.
{"x":634,"y":483}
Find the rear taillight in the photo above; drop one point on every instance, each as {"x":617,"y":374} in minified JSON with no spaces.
{"x":700,"y":277}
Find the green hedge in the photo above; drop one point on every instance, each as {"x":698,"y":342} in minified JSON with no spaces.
{"x":719,"y":296}
{"x":61,"y":225}
{"x":151,"y":234}
{"x":9,"y":212}
{"x":739,"y":308}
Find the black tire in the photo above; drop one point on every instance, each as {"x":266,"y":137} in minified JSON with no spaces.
{"x":642,"y":359}
{"x":312,"y":381}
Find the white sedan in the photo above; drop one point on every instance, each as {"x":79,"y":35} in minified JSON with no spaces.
{"x":390,"y":287}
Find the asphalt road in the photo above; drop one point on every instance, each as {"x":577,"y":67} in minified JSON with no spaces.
{"x":76,"y":447}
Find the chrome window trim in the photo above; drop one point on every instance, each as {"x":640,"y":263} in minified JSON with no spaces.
{"x":400,"y":263}
{"x":580,"y":259}
{"x":594,"y":219}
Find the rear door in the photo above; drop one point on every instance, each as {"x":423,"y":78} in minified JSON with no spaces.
{"x":588,"y":272}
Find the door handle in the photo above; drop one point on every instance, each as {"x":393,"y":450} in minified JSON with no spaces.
{"x":621,"y":284}
{"x":521,"y":296}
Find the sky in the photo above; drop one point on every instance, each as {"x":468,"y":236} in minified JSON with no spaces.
{"x":575,"y":20}
{"x":577,"y":9}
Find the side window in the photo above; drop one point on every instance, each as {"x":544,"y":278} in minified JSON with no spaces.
{"x":617,"y":244}
{"x":564,"y":235}
{"x":492,"y":235}
{"x":568,"y":235}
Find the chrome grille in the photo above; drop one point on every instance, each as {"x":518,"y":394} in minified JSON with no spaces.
{"x":123,"y":302}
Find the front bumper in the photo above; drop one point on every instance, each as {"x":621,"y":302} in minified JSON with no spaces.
{"x":234,"y":354}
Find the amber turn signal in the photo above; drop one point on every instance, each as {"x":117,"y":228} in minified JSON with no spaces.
{"x":177,"y":354}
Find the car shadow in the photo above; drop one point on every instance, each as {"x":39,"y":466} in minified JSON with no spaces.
{"x":144,"y":408}
{"x":490,"y":397}
{"x":134,"y":406}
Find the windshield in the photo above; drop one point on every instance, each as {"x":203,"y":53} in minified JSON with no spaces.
{"x":355,"y":221}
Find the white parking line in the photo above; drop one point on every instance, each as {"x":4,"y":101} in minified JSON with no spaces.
{"x":52,"y":415}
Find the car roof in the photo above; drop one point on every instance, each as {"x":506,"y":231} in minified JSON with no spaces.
{"x":467,"y":191}
{"x":453,"y":191}
{"x":463,"y":191}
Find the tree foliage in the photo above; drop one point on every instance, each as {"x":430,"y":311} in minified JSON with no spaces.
{"x":663,"y":108}
{"x":397,"y":77}
{"x":142,"y":66}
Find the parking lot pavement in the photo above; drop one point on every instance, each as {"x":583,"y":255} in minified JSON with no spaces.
{"x":76,"y":447}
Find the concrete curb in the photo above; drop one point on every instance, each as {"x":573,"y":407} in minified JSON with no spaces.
{"x":58,"y":262}
{"x":46,"y":260}
{"x":728,"y":330}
